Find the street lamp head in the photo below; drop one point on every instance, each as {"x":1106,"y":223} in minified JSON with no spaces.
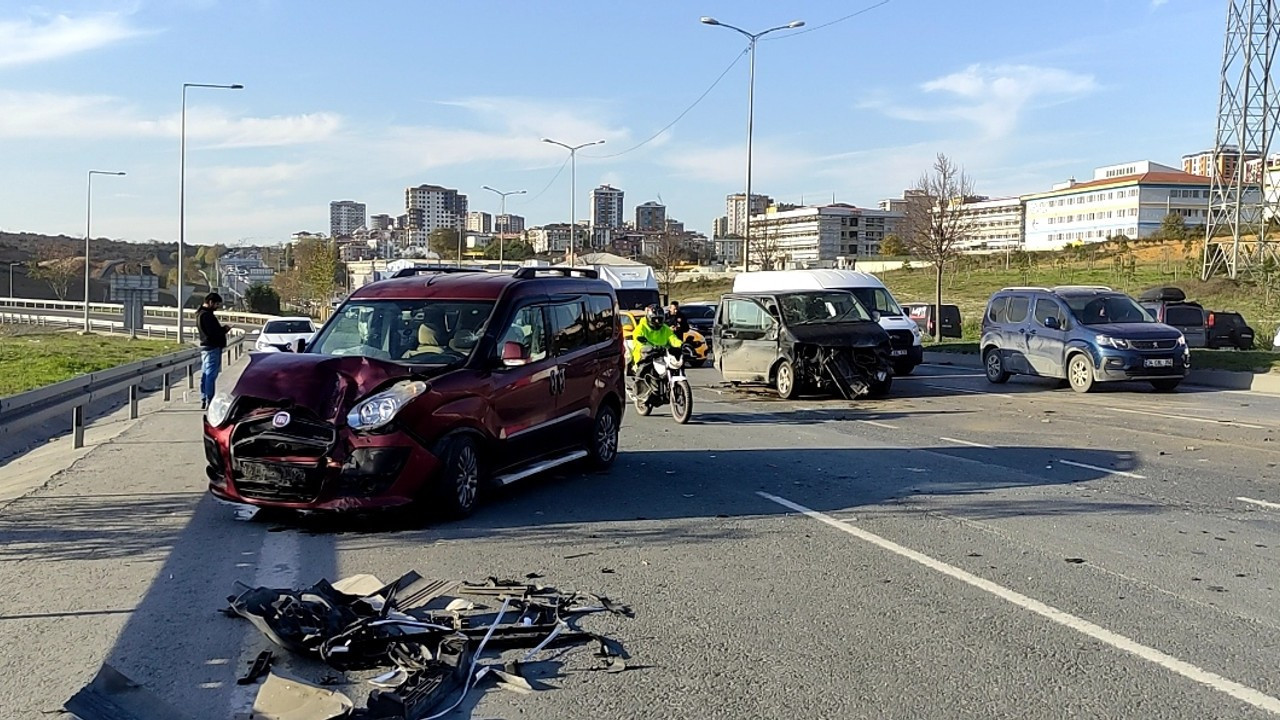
{"x":548,"y":140}
{"x":710,"y":21}
{"x":521,"y":192}
{"x":795,"y":24}
{"x":238,"y":86}
{"x":119,"y":173}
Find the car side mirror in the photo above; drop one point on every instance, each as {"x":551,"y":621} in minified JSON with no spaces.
{"x":1051,"y":323}
{"x":299,"y":345}
{"x":875,"y":316}
{"x":514,"y":354}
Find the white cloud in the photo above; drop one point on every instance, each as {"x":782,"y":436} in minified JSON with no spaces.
{"x":30,"y":41}
{"x":1158,"y":3}
{"x":992,"y":98}
{"x":229,"y":177}
{"x":32,"y":115}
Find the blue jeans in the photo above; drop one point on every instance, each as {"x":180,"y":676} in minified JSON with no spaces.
{"x":210,"y":366}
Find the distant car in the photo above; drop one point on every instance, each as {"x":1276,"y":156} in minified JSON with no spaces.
{"x":282,"y":334}
{"x":923,"y":315}
{"x":1170,"y":306}
{"x":1229,"y":330}
{"x":1085,"y":335}
{"x":702,"y":316}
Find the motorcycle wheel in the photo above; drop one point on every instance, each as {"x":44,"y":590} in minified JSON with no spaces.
{"x":681,"y":402}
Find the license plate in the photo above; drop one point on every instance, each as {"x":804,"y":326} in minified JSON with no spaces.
{"x":897,"y":353}
{"x":278,"y":474}
{"x":1158,"y":362}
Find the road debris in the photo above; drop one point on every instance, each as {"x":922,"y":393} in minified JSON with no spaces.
{"x":112,"y":696}
{"x":424,"y":637}
{"x":258,"y":668}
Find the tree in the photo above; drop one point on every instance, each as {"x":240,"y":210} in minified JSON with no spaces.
{"x":513,"y":249}
{"x":56,"y":269}
{"x":444,"y":242}
{"x":262,"y":299}
{"x":765,"y":252}
{"x":667,"y":255}
{"x":316,"y":261}
{"x":935,"y":222}
{"x":1173,"y":228}
{"x":893,"y":246}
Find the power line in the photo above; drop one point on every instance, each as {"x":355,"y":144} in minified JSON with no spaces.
{"x":679,"y":117}
{"x":549,"y":183}
{"x":867,"y":9}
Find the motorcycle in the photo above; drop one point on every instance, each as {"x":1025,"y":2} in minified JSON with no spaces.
{"x":662,"y":370}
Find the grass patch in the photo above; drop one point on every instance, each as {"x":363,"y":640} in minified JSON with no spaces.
{"x":1255,"y":361}
{"x":964,"y":348}
{"x":34,"y":358}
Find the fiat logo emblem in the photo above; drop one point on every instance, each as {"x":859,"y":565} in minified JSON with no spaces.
{"x":280,"y":419}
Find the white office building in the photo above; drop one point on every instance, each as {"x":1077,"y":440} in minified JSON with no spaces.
{"x":994,"y":224}
{"x":428,"y":207}
{"x":821,"y":236}
{"x":479,"y":222}
{"x":1130,"y":199}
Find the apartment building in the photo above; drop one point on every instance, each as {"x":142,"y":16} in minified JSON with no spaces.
{"x":1221,"y":164}
{"x":428,"y":207}
{"x":345,"y":217}
{"x":508,"y":224}
{"x":651,"y":217}
{"x":735,"y":211}
{"x":818,"y":236}
{"x":1130,"y":199}
{"x":554,"y":238}
{"x":479,"y":222}
{"x":606,"y":207}
{"x":994,"y":224}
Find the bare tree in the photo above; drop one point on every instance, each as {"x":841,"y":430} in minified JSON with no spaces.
{"x":668,"y":253}
{"x":936,"y":222}
{"x":765,"y":252}
{"x":56,"y":269}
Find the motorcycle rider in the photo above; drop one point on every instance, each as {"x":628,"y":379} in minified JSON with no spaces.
{"x":652,"y":330}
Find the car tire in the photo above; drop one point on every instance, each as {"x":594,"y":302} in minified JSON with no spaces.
{"x":1168,"y":385}
{"x":880,"y":388}
{"x":602,"y":446}
{"x":460,"y":477}
{"x":903,"y":367}
{"x":784,"y":381}
{"x":994,"y":365}
{"x":697,"y":363}
{"x":1080,"y":373}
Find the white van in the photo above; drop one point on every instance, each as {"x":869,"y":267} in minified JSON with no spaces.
{"x":908,"y":352}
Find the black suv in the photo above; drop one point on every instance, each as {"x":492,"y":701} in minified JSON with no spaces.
{"x":1083,"y":334}
{"x":1170,"y":306}
{"x":1229,"y":330}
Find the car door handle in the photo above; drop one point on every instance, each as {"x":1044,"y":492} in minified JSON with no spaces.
{"x":728,"y":335}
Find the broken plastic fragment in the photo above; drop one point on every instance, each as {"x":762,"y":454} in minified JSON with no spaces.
{"x":285,"y":699}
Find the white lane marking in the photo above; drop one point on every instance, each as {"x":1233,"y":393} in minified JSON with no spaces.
{"x":1261,"y":503}
{"x":967,"y":390}
{"x":958,"y":441}
{"x":1191,"y":418}
{"x":879,"y":424}
{"x":1109,"y":471}
{"x":930,"y":376}
{"x":1213,"y":680}
{"x":277,"y":568}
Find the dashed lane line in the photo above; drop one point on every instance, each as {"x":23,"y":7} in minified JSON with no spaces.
{"x":970,"y":443}
{"x":1109,"y":471}
{"x":1260,"y":503}
{"x":1210,"y":679}
{"x":1190,"y":418}
{"x":968,"y":390}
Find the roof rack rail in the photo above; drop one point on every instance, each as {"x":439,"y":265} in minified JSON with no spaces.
{"x":532,"y":271}
{"x":1024,"y":287}
{"x":421,"y":269}
{"x":1103,"y":288}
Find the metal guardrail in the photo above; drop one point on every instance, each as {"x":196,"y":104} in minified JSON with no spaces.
{"x":24,"y":410}
{"x":154,"y":311}
{"x":95,"y":325}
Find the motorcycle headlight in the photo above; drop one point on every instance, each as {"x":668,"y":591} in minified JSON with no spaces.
{"x":219,"y":409}
{"x":1112,"y":342}
{"x":381,"y":408}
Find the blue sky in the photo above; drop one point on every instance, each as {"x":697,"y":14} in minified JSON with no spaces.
{"x":359,"y":100}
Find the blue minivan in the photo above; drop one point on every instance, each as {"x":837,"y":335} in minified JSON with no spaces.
{"x":1085,"y":335}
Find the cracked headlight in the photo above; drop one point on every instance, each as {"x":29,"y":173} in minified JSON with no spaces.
{"x":381,"y":408}
{"x":219,"y":409}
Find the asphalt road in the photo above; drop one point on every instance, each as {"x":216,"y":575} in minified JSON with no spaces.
{"x":956,"y":550}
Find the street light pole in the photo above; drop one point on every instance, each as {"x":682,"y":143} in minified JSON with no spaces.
{"x":182,"y":191}
{"x":751,"y":113}
{"x":573,"y":189}
{"x":502,"y":211}
{"x":11,"y":293}
{"x":88,"y":220}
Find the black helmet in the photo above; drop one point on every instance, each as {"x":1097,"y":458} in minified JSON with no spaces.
{"x":655,"y":315}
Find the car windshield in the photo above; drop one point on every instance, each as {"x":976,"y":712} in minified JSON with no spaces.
{"x":288,"y":327}
{"x":821,"y":307}
{"x":1105,"y":309}
{"x":698,"y":312}
{"x":415,"y":332}
{"x":877,"y":299}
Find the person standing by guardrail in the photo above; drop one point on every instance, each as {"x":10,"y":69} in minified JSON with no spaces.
{"x":213,"y":342}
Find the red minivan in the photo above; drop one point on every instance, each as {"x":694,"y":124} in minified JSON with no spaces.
{"x":427,"y":388}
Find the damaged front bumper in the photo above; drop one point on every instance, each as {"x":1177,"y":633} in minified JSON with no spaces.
{"x":851,"y":372}
{"x":306,"y":464}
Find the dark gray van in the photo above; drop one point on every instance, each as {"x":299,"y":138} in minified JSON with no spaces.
{"x":1086,"y":335}
{"x":803,"y":341}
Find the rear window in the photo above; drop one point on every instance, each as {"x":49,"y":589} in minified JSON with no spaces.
{"x":996,"y":312}
{"x":1183,"y":315}
{"x":287,"y":327}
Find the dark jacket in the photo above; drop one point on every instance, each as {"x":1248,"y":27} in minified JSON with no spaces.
{"x":212,"y":333}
